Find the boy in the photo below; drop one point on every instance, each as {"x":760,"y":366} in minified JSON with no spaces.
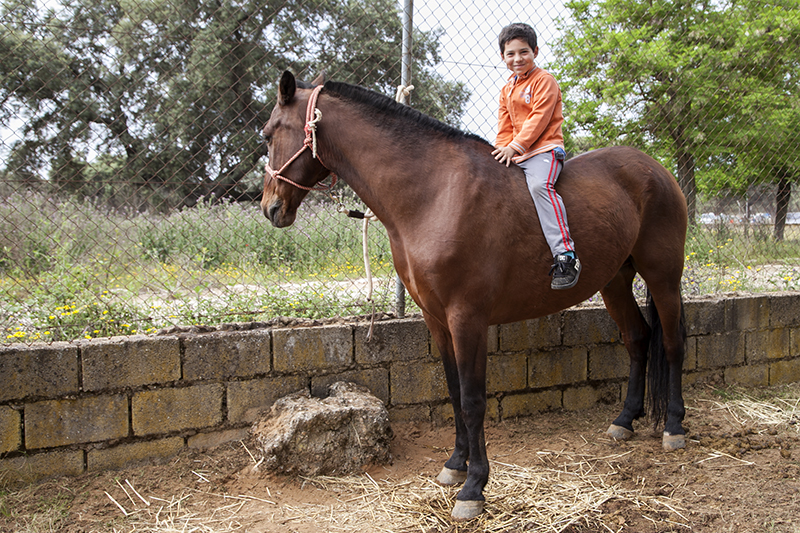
{"x":529,"y":134}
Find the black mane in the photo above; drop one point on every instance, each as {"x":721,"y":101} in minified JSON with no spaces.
{"x":402,"y":115}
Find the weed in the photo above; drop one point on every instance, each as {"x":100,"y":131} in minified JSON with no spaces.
{"x":73,"y":269}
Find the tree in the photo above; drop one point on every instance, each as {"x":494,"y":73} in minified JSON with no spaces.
{"x":768,"y":65}
{"x":676,"y":77}
{"x":173,"y":95}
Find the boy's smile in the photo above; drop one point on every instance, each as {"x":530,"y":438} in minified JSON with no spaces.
{"x":518,"y":56}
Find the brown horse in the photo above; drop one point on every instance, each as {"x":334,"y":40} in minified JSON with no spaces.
{"x":467,"y":244}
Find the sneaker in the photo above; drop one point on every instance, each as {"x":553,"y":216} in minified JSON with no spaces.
{"x":565,"y":272}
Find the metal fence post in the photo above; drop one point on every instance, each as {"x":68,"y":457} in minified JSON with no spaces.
{"x":405,"y":80}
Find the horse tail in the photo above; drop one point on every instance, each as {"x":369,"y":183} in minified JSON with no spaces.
{"x":658,"y":369}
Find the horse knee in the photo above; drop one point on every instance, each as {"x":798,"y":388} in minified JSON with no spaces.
{"x":473,"y":410}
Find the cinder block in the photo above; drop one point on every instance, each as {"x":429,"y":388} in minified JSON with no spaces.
{"x":794,"y":342}
{"x":411,"y":413}
{"x":530,"y":403}
{"x":38,"y":371}
{"x":704,"y":316}
{"x":720,"y":350}
{"x":691,"y":379}
{"x":770,"y":344}
{"x":29,"y":468}
{"x":227,"y":354}
{"x":62,"y":422}
{"x":558,"y":367}
{"x":375,"y":379}
{"x":784,"y":309}
{"x":247,"y":398}
{"x":690,"y":357}
{"x":782,"y":372}
{"x":577,"y":398}
{"x":492,"y":343}
{"x":130,"y":362}
{"x":748,"y":376}
{"x":493,"y":339}
{"x":747,"y":313}
{"x":129,"y":454}
{"x":608,"y":361}
{"x":167,"y":410}
{"x":10,"y":429}
{"x":392,"y":340}
{"x":589,"y":326}
{"x":204,"y":441}
{"x":417,"y":382}
{"x":312,"y":349}
{"x":534,"y":334}
{"x":506,"y":373}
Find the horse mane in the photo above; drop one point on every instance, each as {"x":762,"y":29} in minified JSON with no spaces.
{"x":402,"y":116}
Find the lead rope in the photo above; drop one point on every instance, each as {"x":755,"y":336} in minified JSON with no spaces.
{"x":312,"y":127}
{"x":402,"y":93}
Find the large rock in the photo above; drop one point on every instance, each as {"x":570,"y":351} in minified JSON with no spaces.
{"x":337,"y":435}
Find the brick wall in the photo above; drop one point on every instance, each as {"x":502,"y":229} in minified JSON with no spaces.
{"x":68,"y":408}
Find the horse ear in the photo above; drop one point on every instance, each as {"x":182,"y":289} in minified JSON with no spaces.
{"x":286,"y":88}
{"x":320,"y":79}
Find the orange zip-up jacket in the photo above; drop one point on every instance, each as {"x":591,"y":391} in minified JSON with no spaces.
{"x":530,"y":115}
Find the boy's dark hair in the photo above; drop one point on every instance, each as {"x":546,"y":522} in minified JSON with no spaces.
{"x":518,"y":30}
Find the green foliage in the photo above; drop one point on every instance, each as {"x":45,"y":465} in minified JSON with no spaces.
{"x":154,"y":104}
{"x":83,"y":271}
{"x":711,"y":85}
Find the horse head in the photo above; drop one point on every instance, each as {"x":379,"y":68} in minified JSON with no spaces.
{"x":293,"y":169}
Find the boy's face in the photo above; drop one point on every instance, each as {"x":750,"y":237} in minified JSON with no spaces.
{"x":518,"y":56}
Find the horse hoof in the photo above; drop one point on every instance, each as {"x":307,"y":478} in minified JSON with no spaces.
{"x":466,"y":510}
{"x":673,"y":442}
{"x":448,"y":476}
{"x":619,"y":432}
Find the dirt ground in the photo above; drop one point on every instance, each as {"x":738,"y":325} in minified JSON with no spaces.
{"x":556,"y":472}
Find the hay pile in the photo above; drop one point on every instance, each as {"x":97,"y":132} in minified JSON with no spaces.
{"x":773,"y":412}
{"x":537,"y":499}
{"x":564,"y":489}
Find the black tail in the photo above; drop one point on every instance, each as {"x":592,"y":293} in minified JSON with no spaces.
{"x":658,"y":369}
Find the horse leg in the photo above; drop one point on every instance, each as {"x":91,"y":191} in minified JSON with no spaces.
{"x":455,"y":469}
{"x":622,"y":306}
{"x":667,"y":351}
{"x":469,"y":347}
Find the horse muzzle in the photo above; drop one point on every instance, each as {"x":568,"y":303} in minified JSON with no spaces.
{"x":276,"y":213}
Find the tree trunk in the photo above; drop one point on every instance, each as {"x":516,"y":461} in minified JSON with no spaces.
{"x":687,"y":182}
{"x":782,"y":198}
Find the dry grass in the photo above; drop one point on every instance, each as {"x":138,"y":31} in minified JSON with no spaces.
{"x":772,"y":412}
{"x":564,"y":490}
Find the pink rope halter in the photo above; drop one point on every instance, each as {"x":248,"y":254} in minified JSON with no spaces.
{"x":313,"y":116}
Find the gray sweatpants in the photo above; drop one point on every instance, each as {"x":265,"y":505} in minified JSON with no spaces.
{"x":541,"y":173}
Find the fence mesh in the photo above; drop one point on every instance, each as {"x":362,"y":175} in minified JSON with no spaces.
{"x":131,"y":161}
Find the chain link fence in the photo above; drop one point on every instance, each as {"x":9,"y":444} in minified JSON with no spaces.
{"x":131,"y":162}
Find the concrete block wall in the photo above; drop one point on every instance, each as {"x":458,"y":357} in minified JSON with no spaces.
{"x":68,"y":408}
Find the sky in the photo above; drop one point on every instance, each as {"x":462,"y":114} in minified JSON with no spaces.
{"x":470,"y":50}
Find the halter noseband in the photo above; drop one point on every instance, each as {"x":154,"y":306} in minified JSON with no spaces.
{"x":313,"y":116}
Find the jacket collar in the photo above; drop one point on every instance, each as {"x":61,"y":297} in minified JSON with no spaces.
{"x":516,"y":77}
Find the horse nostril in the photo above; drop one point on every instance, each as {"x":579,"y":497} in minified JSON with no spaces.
{"x":272,"y":211}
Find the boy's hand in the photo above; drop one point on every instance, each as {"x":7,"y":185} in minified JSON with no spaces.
{"x":504,"y":155}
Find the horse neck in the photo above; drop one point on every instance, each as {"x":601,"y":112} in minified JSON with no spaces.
{"x":370,"y":162}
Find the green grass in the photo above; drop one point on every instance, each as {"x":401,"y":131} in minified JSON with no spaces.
{"x":71,"y":269}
